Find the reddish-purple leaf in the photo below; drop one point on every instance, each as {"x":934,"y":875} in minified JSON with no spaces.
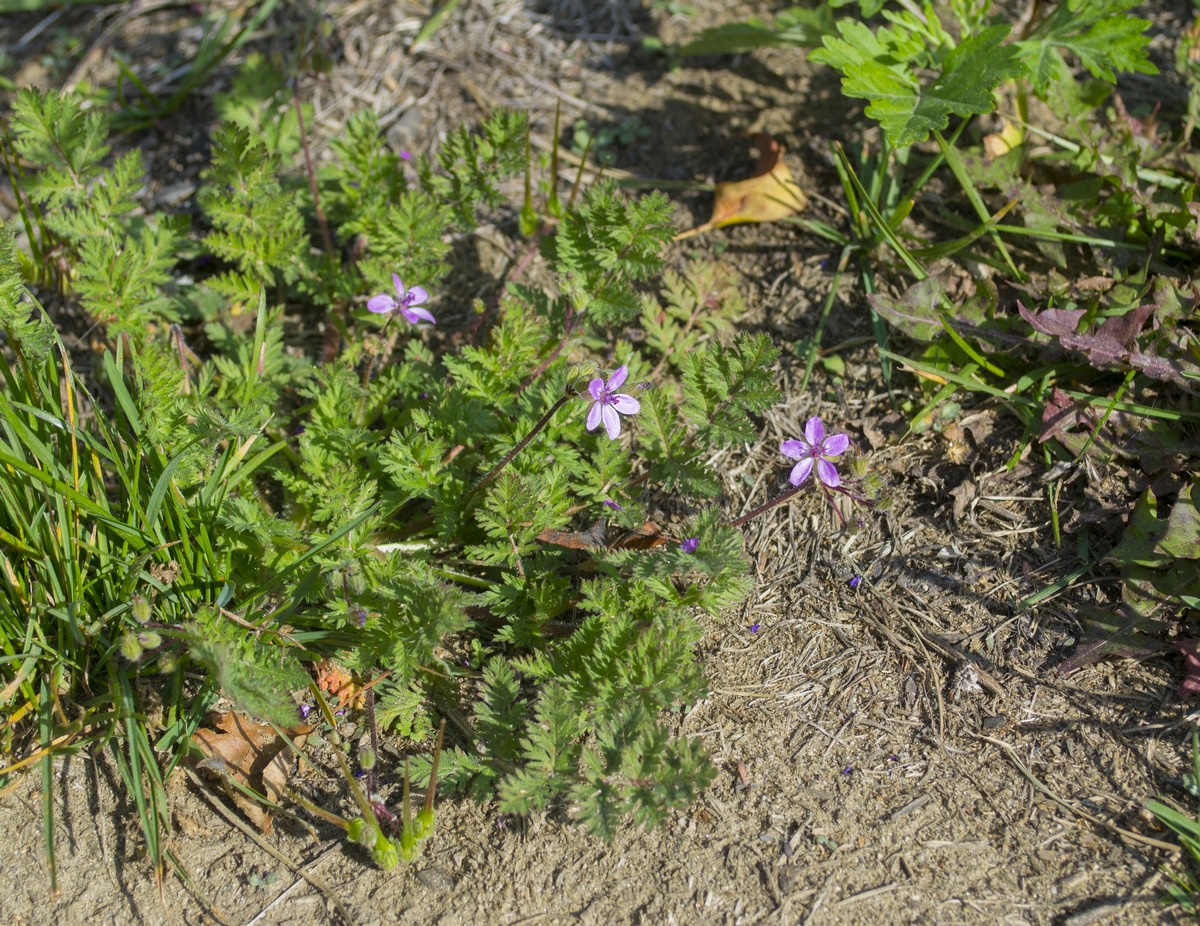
{"x":1117,"y":632}
{"x":1190,"y":686}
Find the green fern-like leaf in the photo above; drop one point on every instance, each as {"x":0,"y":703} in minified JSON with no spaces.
{"x":25,"y":327}
{"x":606,"y":244}
{"x":723,"y":386}
{"x":64,"y":140}
{"x":257,"y":225}
{"x":1101,"y":33}
{"x":500,"y":712}
{"x":256,"y":677}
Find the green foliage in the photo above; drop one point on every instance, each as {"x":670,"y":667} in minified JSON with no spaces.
{"x":254,"y":672}
{"x":604,"y":246}
{"x":1099,"y":33}
{"x":257,"y":225}
{"x":723,"y":386}
{"x":695,"y":307}
{"x":1159,"y":558}
{"x":27,"y":330}
{"x":1185,"y":890}
{"x":252,"y":504}
{"x":54,"y":130}
{"x":472,"y":163}
{"x":881,"y":66}
{"x":259,"y":102}
{"x":916,"y":74}
{"x":122,"y":261}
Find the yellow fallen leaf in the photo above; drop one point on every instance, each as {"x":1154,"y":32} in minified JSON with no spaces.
{"x":769,"y":195}
{"x":1000,"y":143}
{"x":1012,"y":133}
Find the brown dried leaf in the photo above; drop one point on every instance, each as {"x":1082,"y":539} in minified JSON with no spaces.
{"x":253,"y":754}
{"x":769,"y":195}
{"x":595,"y":537}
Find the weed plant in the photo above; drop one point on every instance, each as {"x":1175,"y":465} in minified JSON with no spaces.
{"x":428,"y":498}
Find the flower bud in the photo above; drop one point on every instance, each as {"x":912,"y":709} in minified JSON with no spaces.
{"x":141,"y":609}
{"x":149,"y":639}
{"x":131,"y":649}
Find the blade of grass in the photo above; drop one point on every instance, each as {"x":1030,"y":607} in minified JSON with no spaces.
{"x":889,"y":233}
{"x":958,"y":167}
{"x":815,"y":344}
{"x":433,"y":24}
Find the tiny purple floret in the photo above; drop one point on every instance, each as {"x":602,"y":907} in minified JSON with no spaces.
{"x":754,"y":628}
{"x":405,"y":155}
{"x":305,"y":710}
{"x":608,"y":402}
{"x":690,"y":545}
{"x":815,"y":450}
{"x":856,"y":581}
{"x":613,"y":505}
{"x":384,"y":304}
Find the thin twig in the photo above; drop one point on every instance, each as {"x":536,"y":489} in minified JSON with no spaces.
{"x":1070,"y":808}
{"x":233,"y":820}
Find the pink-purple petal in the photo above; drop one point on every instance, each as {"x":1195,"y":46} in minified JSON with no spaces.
{"x":417,"y":295}
{"x":381,"y":304}
{"x":800,"y":471}
{"x":612,"y":421}
{"x":593,"y":418}
{"x":396,"y":281}
{"x":596,"y":388}
{"x":625,"y":404}
{"x":619,"y":375}
{"x":814,"y":431}
{"x":796,"y":449}
{"x":416,"y":315}
{"x":828,"y":474}
{"x":835,"y":445}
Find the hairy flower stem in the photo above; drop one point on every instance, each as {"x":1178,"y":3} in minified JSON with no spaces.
{"x":508,"y":457}
{"x":784,"y":496}
{"x":326,"y":237}
{"x":373,"y":727}
{"x":765,"y":506}
{"x":369,"y":370}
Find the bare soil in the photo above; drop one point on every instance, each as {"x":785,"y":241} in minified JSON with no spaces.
{"x":900,"y":752}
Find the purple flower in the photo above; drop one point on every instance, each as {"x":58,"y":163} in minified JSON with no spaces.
{"x":689,"y":545}
{"x":815,"y":448}
{"x":754,"y":628}
{"x":854,"y":583}
{"x":613,"y":505}
{"x":609,"y":402}
{"x":305,"y":710}
{"x":385,"y":304}
{"x":405,"y":155}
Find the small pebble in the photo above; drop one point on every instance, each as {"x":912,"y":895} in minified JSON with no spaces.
{"x":436,"y":878}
